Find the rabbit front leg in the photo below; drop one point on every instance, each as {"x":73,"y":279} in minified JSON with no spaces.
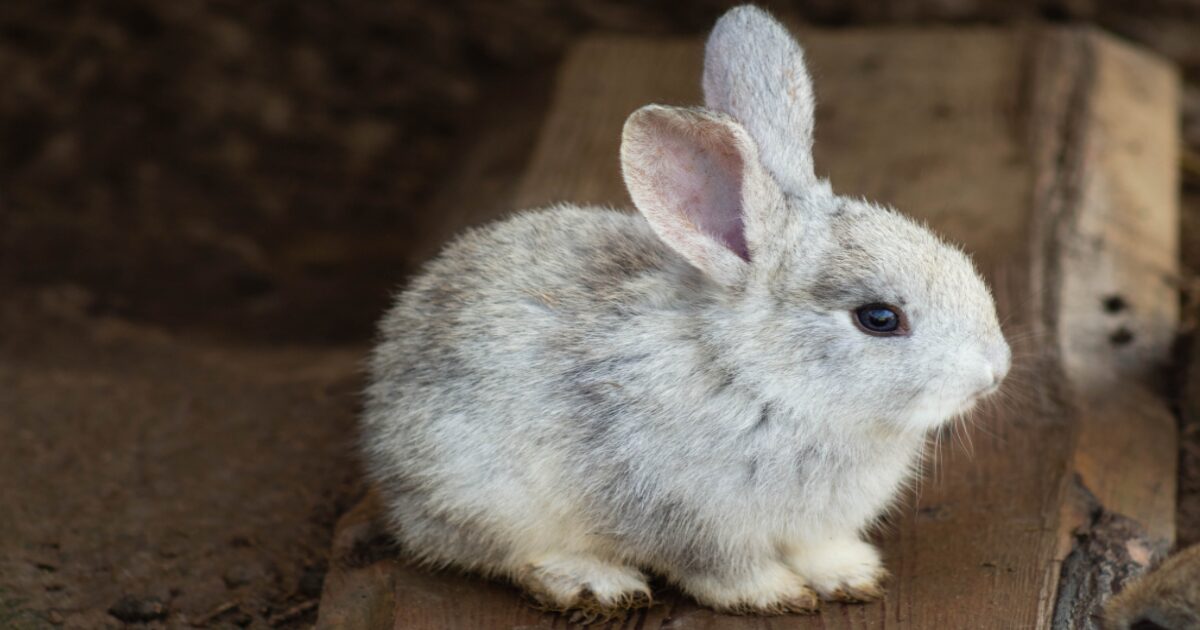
{"x":839,"y":568}
{"x":584,"y":585}
{"x":761,"y":586}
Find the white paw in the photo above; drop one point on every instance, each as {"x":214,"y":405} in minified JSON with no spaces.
{"x":771,"y":589}
{"x":844,"y":569}
{"x":589,"y":587}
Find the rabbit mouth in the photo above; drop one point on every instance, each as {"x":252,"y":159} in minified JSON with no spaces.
{"x":985,"y":392}
{"x":967,"y":406}
{"x":975,"y":398}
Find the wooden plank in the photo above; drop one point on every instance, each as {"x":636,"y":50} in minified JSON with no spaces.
{"x":1048,"y":156}
{"x":1119,"y":294}
{"x":1112,"y":222}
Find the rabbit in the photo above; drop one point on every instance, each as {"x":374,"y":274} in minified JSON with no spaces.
{"x":725,"y":389}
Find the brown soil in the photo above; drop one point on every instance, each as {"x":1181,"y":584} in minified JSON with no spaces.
{"x":149,"y":476}
{"x":204,"y":205}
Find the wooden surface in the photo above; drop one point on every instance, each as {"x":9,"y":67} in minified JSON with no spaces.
{"x":1108,"y":188}
{"x":1050,"y":157}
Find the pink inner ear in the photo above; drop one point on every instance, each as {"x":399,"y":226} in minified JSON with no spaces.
{"x":704,"y":183}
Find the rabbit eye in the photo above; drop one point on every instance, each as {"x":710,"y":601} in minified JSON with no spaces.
{"x":881,"y":320}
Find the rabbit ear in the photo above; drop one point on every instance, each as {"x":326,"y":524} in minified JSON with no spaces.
{"x":696,"y":177}
{"x":754,"y":71}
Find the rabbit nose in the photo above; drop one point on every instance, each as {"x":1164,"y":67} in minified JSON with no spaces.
{"x":1000,"y":360}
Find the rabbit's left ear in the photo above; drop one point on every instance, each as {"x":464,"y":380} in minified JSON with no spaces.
{"x":696,"y":177}
{"x":754,"y":71}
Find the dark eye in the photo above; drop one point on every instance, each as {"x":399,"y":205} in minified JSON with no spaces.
{"x":881,"y":319}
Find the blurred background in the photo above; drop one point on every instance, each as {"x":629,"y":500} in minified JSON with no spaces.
{"x":202,"y":201}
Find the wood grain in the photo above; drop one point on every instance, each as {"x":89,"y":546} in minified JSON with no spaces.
{"x":1107,"y":199}
{"x":1049,"y":156}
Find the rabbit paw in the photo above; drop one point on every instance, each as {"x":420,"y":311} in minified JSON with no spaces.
{"x":770,"y":590}
{"x":587,"y":589}
{"x":847,"y":570}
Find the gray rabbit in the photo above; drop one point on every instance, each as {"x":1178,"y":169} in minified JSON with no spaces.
{"x":726,"y":389}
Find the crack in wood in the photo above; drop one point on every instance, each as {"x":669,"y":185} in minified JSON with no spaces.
{"x":1109,"y":550}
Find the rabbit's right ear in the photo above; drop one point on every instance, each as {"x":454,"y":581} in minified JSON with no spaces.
{"x":754,"y":71}
{"x":696,"y":177}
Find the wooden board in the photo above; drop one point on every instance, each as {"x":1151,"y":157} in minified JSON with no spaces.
{"x":1050,"y":156}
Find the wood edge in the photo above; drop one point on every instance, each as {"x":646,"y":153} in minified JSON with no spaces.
{"x":356,"y":592}
{"x":1143,"y":372}
{"x":1101,"y":37}
{"x":1100,"y":548}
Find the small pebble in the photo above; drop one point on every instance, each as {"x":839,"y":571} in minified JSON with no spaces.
{"x":238,"y":576}
{"x":310,"y":583}
{"x":131,"y":609}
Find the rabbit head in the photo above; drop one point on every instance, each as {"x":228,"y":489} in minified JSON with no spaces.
{"x":849,"y":309}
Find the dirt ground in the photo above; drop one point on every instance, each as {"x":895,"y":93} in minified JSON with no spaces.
{"x":148,"y":476}
{"x":204,"y":206}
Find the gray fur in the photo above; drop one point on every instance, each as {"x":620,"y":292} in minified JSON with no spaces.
{"x":582,"y":388}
